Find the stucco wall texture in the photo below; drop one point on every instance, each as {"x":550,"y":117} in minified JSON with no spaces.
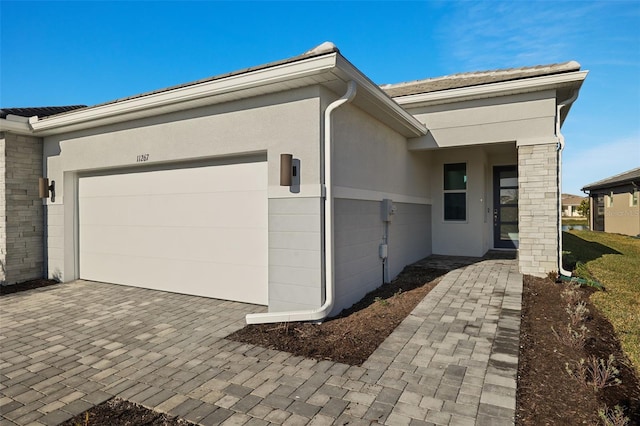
{"x":621,"y":216}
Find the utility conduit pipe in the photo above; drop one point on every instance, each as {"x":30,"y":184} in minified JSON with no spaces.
{"x":560,"y":136}
{"x":329,"y":280}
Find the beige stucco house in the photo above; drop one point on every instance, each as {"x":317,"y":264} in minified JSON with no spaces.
{"x":186,"y":189}
{"x":570,"y":204}
{"x":614,"y":203}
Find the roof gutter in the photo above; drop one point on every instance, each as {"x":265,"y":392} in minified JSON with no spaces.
{"x":329,"y":276}
{"x":16,"y":124}
{"x":560,"y":136}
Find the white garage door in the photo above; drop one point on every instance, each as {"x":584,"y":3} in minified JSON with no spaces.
{"x":199,"y":230}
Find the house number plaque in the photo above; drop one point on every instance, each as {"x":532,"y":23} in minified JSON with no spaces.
{"x":142,"y":158}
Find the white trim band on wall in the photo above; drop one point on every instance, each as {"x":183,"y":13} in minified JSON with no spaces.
{"x":368,"y":195}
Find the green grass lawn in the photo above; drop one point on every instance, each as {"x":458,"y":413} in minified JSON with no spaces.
{"x":613,"y":260}
{"x":575,"y":221}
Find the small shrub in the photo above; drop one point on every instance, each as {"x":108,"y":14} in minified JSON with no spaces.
{"x":596,"y":372}
{"x":380,"y":300}
{"x":613,"y":417}
{"x":553,"y":276}
{"x":571,"y":337}
{"x":577,"y":313}
{"x":571,"y":295}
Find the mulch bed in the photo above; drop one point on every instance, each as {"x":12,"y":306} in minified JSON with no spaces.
{"x":28,"y":285}
{"x":546,"y":394}
{"x":353,"y":335}
{"x":117,"y":411}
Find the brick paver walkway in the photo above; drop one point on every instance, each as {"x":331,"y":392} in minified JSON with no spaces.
{"x":69,"y":347}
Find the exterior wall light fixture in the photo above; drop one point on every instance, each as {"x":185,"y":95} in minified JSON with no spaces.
{"x":44,"y":188}
{"x":286,"y":169}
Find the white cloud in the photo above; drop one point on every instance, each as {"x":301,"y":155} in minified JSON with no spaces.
{"x":486,"y":35}
{"x":582,"y":167}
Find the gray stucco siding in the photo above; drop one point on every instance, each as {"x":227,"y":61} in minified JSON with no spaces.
{"x":368,"y":155}
{"x":295,"y":257}
{"x":358,"y":231}
{"x":372,"y":163}
{"x":409,"y":236}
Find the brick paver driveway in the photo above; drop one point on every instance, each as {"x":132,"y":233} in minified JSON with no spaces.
{"x":71,"y":346}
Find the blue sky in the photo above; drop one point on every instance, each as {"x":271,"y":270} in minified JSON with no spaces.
{"x":63,"y":53}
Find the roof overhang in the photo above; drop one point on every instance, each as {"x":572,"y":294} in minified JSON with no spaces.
{"x":15,"y":124}
{"x":629,"y":180}
{"x":331,"y":70}
{"x":565,"y":84}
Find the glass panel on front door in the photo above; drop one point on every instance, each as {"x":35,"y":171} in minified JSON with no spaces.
{"x":505,"y":207}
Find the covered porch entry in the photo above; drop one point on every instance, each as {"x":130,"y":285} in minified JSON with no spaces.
{"x":475,"y":199}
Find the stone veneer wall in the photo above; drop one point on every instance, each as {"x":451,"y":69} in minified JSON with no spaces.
{"x":538,"y":209}
{"x":21,"y":218}
{"x":3,"y":209}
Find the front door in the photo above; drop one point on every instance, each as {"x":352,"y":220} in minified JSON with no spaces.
{"x":505,"y":207}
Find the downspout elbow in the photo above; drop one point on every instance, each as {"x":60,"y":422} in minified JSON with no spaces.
{"x":560,"y":136}
{"x":323,"y":311}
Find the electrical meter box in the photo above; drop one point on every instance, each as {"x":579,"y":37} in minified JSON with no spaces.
{"x":388,"y":210}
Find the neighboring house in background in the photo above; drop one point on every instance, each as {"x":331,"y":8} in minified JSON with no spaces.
{"x":570,"y":204}
{"x":614,"y":203}
{"x":186,"y":189}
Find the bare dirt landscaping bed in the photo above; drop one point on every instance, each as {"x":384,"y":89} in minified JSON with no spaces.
{"x":353,"y":335}
{"x":547,"y":394}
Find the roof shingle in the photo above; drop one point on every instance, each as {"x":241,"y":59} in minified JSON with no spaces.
{"x":38,"y":111}
{"x":617,"y":180}
{"x":477,"y":78}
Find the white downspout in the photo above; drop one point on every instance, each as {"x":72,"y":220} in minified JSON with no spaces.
{"x":560,"y":136}
{"x":323,"y":311}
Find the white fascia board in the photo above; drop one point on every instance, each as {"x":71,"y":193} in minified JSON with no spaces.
{"x":411,"y":126}
{"x":17,"y":127}
{"x":175,"y":99}
{"x":491,"y":90}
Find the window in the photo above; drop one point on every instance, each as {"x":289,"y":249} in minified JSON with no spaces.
{"x":455,"y":191}
{"x":634,"y":198}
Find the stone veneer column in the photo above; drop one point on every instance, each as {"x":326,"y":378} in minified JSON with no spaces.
{"x":21,"y":230}
{"x":538,"y":209}
{"x":3,"y":209}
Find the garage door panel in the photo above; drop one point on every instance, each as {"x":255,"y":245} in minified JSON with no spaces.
{"x":232,"y":209}
{"x":239,"y":246}
{"x":222,"y":178}
{"x":217,"y":281}
{"x":176,"y":241}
